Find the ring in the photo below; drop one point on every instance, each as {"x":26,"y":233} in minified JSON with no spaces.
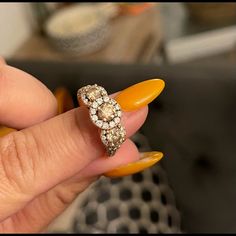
{"x":106,"y":114}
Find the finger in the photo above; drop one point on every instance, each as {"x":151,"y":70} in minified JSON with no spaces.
{"x":49,"y":205}
{"x":36,"y":159}
{"x":24,"y":100}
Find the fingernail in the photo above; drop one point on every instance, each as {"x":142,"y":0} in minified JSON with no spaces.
{"x":147,"y":160}
{"x":64,"y":100}
{"x":140,"y":95}
{"x":5,"y":130}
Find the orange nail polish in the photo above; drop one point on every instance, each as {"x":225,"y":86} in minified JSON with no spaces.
{"x":64,"y":100}
{"x":140,"y":95}
{"x":5,"y":130}
{"x":147,"y":160}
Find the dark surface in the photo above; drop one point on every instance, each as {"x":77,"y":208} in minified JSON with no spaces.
{"x":192,"y":122}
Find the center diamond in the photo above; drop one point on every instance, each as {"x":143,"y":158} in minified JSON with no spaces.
{"x":93,"y":94}
{"x":106,"y":112}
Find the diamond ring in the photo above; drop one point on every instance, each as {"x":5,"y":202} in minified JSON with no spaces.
{"x":105,"y":113}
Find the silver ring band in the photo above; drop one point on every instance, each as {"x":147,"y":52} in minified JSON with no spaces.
{"x":106,"y":114}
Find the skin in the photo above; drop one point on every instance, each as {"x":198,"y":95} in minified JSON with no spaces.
{"x":52,"y":159}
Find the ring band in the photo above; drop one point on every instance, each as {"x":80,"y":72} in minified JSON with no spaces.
{"x":105,"y":113}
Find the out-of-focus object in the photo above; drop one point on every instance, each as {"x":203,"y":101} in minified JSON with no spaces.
{"x":200,"y":45}
{"x":132,"y":39}
{"x":5,"y":130}
{"x":193,"y":40}
{"x":134,"y":8}
{"x":41,"y":12}
{"x":78,"y":29}
{"x":108,"y":9}
{"x":212,"y":13}
{"x":64,"y":100}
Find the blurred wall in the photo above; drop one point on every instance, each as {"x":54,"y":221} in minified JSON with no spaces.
{"x":16,"y":25}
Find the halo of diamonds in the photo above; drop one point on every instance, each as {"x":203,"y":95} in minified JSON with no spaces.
{"x":90,"y":93}
{"x":105,"y":113}
{"x":113,"y":138}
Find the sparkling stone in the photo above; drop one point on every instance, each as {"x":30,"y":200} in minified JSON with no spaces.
{"x":119,"y":113}
{"x":95,"y":104}
{"x":93,"y":93}
{"x":112,"y":124}
{"x":106,"y":112}
{"x":99,"y":101}
{"x":117,"y":120}
{"x":106,"y":99}
{"x":113,"y":101}
{"x":117,"y":107}
{"x":94,"y":118}
{"x":105,"y":125}
{"x":93,"y":111}
{"x":99,"y":123}
{"x":104,"y":92}
{"x":104,"y":139}
{"x":83,"y":96}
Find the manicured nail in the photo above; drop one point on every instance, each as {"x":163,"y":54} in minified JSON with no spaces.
{"x":64,"y":100}
{"x":140,"y":95}
{"x":5,"y":130}
{"x":147,"y":160}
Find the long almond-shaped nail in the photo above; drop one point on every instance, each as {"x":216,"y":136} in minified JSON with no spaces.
{"x":140,"y":95}
{"x":147,"y":160}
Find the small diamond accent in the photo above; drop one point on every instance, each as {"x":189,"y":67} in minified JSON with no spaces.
{"x":99,"y":101}
{"x":112,"y":124}
{"x":106,"y":99}
{"x":95,"y":104}
{"x":119,"y":113}
{"x":93,"y":111}
{"x":94,"y":118}
{"x":117,"y":107}
{"x":99,"y":123}
{"x":105,"y":125}
{"x":104,"y":92}
{"x":104,"y":139}
{"x":117,"y":120}
{"x":113,"y":101}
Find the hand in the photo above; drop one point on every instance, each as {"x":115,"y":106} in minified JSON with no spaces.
{"x":52,"y":158}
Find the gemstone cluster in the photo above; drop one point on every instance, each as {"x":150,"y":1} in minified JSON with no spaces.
{"x":105,"y":113}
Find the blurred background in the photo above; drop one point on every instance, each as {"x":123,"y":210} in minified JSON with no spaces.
{"x":118,"y":32}
{"x":192,"y":46}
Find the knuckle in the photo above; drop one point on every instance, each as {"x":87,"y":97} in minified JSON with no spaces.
{"x":15,"y":162}
{"x":65,"y":194}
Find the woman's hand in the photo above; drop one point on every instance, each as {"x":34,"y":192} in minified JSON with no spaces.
{"x":53,"y":158}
